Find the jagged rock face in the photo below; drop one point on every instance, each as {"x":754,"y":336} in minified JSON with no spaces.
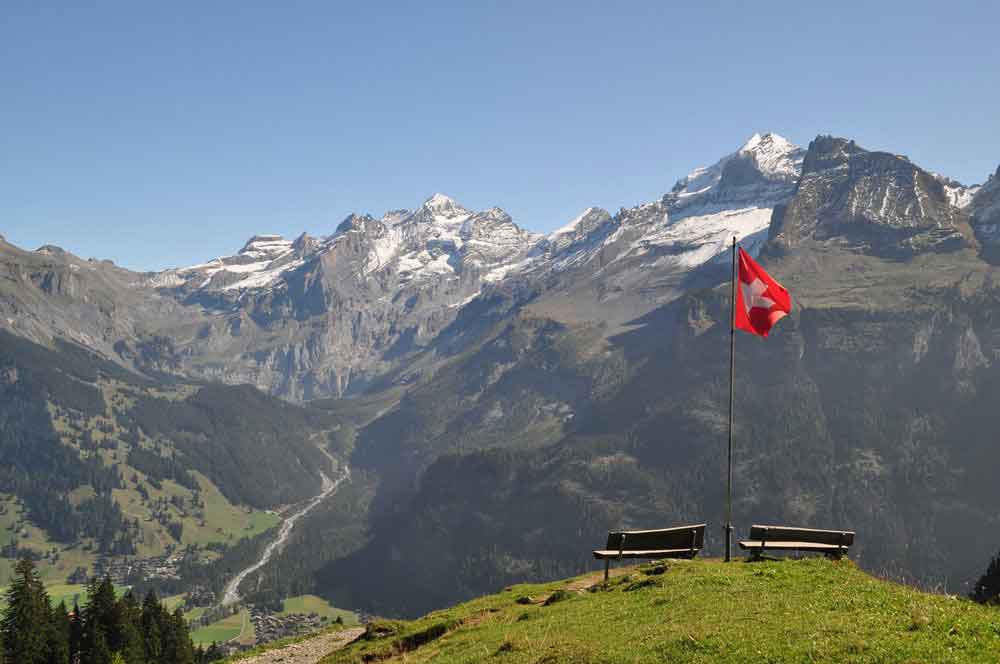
{"x":873,"y":201}
{"x":765,"y":170}
{"x":322,"y":317}
{"x":984,"y":211}
{"x":491,"y":239}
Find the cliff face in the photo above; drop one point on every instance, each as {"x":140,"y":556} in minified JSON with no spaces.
{"x":984,"y":210}
{"x":874,"y":202}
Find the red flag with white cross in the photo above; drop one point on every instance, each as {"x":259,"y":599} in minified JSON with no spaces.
{"x":760,"y":300}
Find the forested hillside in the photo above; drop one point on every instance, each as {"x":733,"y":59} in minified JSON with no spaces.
{"x":96,"y":460}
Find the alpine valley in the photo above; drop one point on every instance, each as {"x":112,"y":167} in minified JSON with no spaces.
{"x":503,"y":398}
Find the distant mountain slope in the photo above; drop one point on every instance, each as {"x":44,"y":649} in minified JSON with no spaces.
{"x":101,"y":460}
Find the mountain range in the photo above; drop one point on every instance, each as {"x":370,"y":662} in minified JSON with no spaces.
{"x":507,"y":397}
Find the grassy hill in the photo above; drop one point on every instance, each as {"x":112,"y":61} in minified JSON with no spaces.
{"x":810,"y":610}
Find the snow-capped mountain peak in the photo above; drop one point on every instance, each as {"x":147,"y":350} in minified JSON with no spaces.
{"x":764,"y":162}
{"x":266,"y":246}
{"x":775,"y":155}
{"x":696,"y":220}
{"x":444,"y":206}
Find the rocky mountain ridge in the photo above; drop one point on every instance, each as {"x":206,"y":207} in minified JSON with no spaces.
{"x":326,"y":316}
{"x":877,"y":201}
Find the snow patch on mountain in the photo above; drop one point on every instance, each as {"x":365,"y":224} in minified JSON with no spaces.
{"x":696,"y":221}
{"x":261,"y":261}
{"x":775,"y":155}
{"x":697,"y":239}
{"x":959,"y":195}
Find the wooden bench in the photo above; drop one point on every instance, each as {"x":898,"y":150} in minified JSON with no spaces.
{"x":682,"y":542}
{"x":833,"y":543}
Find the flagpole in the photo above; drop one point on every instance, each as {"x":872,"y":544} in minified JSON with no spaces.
{"x":732,"y":382}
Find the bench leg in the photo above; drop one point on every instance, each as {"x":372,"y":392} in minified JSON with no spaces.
{"x":607,"y":564}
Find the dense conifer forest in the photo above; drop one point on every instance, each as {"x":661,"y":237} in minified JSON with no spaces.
{"x":105,"y":630}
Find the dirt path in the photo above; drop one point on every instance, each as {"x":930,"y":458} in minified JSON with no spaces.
{"x":232,"y":592}
{"x":306,"y":652}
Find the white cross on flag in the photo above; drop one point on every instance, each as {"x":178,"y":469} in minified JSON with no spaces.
{"x":760,"y":300}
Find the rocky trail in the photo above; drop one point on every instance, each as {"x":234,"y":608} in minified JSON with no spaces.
{"x":310,"y":651}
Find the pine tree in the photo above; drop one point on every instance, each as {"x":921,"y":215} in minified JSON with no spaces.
{"x":132,"y":648}
{"x":97,"y":650}
{"x":75,"y":633}
{"x":177,"y":646}
{"x":59,"y":635}
{"x":149,"y":625}
{"x":26,"y":617}
{"x":102,"y":629}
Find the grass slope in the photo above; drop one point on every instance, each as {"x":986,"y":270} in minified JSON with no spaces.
{"x":307,"y":604}
{"x":234,"y":627}
{"x":809,"y":610}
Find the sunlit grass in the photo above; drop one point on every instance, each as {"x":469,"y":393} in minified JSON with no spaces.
{"x":810,"y":610}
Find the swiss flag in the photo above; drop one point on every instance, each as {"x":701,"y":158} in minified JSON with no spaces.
{"x":760,"y":300}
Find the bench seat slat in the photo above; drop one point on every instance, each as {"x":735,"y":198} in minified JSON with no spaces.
{"x":601,"y":554}
{"x":800,"y":546}
{"x":661,"y":531}
{"x":656,"y":553}
{"x":795,"y":534}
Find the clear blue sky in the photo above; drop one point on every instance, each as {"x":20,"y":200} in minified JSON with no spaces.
{"x":165,"y":133}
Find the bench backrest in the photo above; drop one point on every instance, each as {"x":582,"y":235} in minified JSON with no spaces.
{"x":789,"y":534}
{"x":684,"y":537}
